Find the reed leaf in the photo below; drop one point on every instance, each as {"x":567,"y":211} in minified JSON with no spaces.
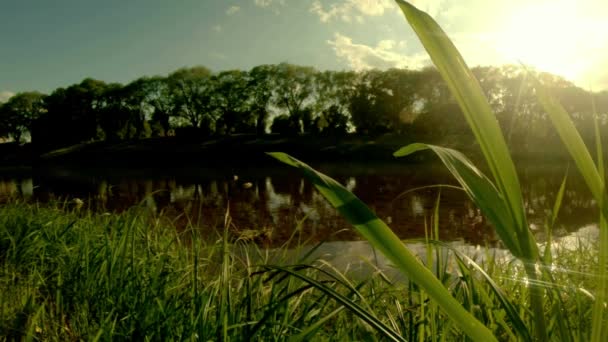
{"x":574,"y":143}
{"x":479,"y":188}
{"x":480,"y":117}
{"x":384,"y":239}
{"x":593,"y":176}
{"x":477,"y":111}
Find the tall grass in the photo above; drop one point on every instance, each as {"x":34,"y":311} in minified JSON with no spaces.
{"x":83,"y":276}
{"x":499,"y":197}
{"x":132,"y":276}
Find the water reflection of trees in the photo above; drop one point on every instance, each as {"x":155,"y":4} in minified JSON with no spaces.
{"x":282,"y":202}
{"x":16,"y":188}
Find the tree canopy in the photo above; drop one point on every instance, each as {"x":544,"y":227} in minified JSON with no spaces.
{"x":287,"y":99}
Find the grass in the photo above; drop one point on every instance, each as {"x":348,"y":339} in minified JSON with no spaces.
{"x":499,"y":197}
{"x":118,"y":277}
{"x":83,"y":276}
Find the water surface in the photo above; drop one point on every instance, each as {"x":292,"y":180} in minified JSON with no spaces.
{"x":279,"y":201}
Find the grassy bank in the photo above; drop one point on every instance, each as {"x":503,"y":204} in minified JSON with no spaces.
{"x":70,"y":275}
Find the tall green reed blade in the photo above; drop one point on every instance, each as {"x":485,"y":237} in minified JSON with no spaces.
{"x":597,"y":331}
{"x":478,"y":113}
{"x":593,"y":176}
{"x":479,"y":188}
{"x":383,"y":238}
{"x":574,"y":144}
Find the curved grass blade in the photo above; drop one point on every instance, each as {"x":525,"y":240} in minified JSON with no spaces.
{"x":477,"y":111}
{"x":383,"y":238}
{"x":593,"y":176}
{"x":574,"y":144}
{"x":309,"y":332}
{"x":479,"y":188}
{"x":510,"y":309}
{"x":598,"y":332}
{"x":345,"y":301}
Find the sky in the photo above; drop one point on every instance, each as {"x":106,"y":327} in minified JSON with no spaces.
{"x":48,"y":44}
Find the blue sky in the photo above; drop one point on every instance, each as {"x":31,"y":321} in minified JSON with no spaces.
{"x":47,"y":44}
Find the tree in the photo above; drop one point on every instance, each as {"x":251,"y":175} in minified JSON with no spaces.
{"x":123,"y":111}
{"x":334,"y":89}
{"x":285,"y":124}
{"x":191,"y":91}
{"x":230,"y":99}
{"x":261,"y":85}
{"x":396,"y":95}
{"x":18,"y":114}
{"x":71,"y":115}
{"x":159,"y":104}
{"x":332,"y":121}
{"x":139,"y":110}
{"x":113,"y":116}
{"x":363,"y":104}
{"x":293,"y":92}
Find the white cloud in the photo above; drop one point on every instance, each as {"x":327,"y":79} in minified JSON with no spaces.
{"x":386,"y":44}
{"x":232,"y":10}
{"x":273,"y":5}
{"x":434,"y":7}
{"x":217,"y":28}
{"x":382,"y":56}
{"x":262,"y":3}
{"x":217,"y":55}
{"x":5,"y":95}
{"x":349,"y":9}
{"x":372,"y":7}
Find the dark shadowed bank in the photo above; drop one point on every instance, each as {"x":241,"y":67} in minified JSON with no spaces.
{"x":245,"y":149}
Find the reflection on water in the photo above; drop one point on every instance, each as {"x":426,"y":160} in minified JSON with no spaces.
{"x":358,"y":259}
{"x":16,"y":188}
{"x":280,"y":200}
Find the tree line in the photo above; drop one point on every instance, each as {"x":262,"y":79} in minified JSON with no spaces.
{"x":287,"y":99}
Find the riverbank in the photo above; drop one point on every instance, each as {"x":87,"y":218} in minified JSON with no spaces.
{"x":68,"y":274}
{"x":247,"y":150}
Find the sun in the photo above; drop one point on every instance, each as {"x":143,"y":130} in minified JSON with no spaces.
{"x":546,"y":36}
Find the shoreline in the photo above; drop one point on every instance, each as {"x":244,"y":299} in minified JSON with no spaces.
{"x":243,"y":150}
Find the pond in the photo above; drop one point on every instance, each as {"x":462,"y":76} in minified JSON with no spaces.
{"x":278,"y":201}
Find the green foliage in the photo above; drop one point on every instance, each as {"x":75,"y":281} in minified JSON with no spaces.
{"x":499,"y":199}
{"x":191,"y":89}
{"x":18,"y":114}
{"x":76,"y":275}
{"x":382,"y":237}
{"x":413,"y":102}
{"x":71,"y":115}
{"x":284,"y":124}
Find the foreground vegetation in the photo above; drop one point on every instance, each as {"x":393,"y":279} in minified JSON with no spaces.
{"x":498,"y":196}
{"x":70,"y":275}
{"x":525,"y":299}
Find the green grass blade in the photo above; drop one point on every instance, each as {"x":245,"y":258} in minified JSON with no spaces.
{"x":558,"y":200}
{"x":479,"y":188}
{"x":510,"y":309}
{"x":547,"y":255}
{"x":383,"y":238}
{"x":309,"y":332}
{"x":574,"y":144}
{"x":593,"y":176}
{"x":345,"y":301}
{"x":477,"y":111}
{"x":597,"y":331}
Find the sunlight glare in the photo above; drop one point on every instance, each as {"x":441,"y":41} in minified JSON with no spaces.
{"x":546,"y":36}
